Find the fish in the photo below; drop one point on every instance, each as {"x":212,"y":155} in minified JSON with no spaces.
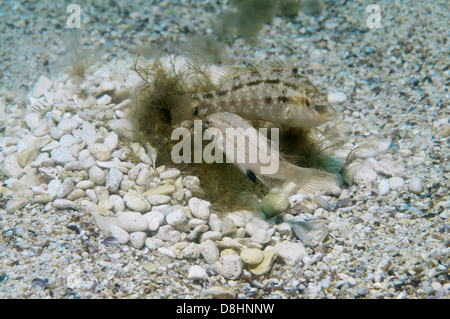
{"x":259,"y":158}
{"x":279,"y":94}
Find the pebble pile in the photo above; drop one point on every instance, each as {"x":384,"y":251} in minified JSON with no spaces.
{"x":87,"y":213}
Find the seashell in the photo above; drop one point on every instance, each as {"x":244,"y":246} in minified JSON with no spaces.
{"x":302,"y":230}
{"x":39,"y":283}
{"x":111,"y":241}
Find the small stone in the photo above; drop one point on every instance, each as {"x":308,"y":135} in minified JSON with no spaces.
{"x":383,"y":187}
{"x":118,"y":203}
{"x":153,"y":243}
{"x":112,"y":141}
{"x":143,"y":177}
{"x":66,"y":188}
{"x":255,"y":225}
{"x":274,"y":204}
{"x":209,"y":251}
{"x":104,"y":100}
{"x":32,"y":120}
{"x":337,"y":97}
{"x":176,"y":218}
{"x":113,"y":179}
{"x":221,"y":292}
{"x":158,"y":199}
{"x":155,"y":219}
{"x":97,"y":175}
{"x":265,"y":266}
{"x":214,"y":222}
{"x":11,"y":167}
{"x":161,"y":190}
{"x":365,"y":175}
{"x":191,"y":251}
{"x":167,"y":252}
{"x":42,"y":199}
{"x":42,"y":85}
{"x":231,"y":266}
{"x":252,"y":256}
{"x":168,"y":233}
{"x":211,"y":235}
{"x":261,"y":236}
{"x":197,"y":273}
{"x":122,"y":236}
{"x":396,"y":183}
{"x":137,"y":239}
{"x":100,"y":151}
{"x":170,"y":174}
{"x":63,"y":204}
{"x":61,"y":155}
{"x":132,"y":221}
{"x":68,"y":125}
{"x":199,"y":208}
{"x":15,"y":204}
{"x":292,"y":253}
{"x":415,"y":185}
{"x":136,"y":201}
{"x":227,"y":227}
{"x":77,"y":193}
{"x":197,"y":231}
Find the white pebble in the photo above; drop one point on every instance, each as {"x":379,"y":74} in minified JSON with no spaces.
{"x":113,"y":179}
{"x":132,"y":221}
{"x":256,"y":225}
{"x":136,"y":201}
{"x":100,"y":151}
{"x":168,"y":233}
{"x":231,"y":266}
{"x":383,"y":187}
{"x":415,"y":185}
{"x":214,"y":222}
{"x":122,"y":236}
{"x":97,"y":175}
{"x":66,"y":188}
{"x":153,"y":243}
{"x":112,"y":141}
{"x":176,"y":218}
{"x":292,"y":253}
{"x":158,"y":199}
{"x":67,"y":125}
{"x":337,"y":97}
{"x":209,"y":251}
{"x":155,"y":219}
{"x":396,"y":182}
{"x":169,"y":174}
{"x":197,"y":273}
{"x":42,"y":85}
{"x":365,"y":175}
{"x":167,"y":252}
{"x":63,"y":204}
{"x":32,"y":120}
{"x":199,"y":208}
{"x":61,"y":155}
{"x":137,"y":239}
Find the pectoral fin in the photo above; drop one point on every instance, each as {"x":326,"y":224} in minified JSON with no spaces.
{"x":311,"y":180}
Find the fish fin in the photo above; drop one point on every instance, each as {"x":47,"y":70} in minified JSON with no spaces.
{"x":310,"y":180}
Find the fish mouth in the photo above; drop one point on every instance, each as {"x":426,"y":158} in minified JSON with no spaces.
{"x":326,"y":112}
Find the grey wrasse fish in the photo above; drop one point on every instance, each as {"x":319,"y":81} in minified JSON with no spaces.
{"x":279,"y":94}
{"x":238,"y":140}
